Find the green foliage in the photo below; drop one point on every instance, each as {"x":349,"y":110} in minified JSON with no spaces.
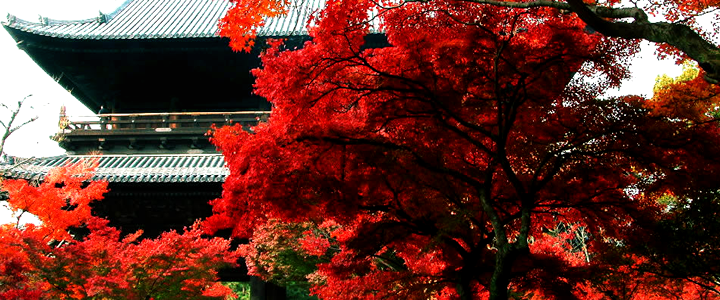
{"x":285,"y":253}
{"x":667,"y":200}
{"x":690,"y":71}
{"x":240,"y":288}
{"x":295,"y":290}
{"x":299,"y":291}
{"x":690,"y":238}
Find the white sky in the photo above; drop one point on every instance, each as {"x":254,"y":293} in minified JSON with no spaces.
{"x":20,"y":76}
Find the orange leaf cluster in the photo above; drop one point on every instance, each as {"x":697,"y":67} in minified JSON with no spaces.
{"x":243,"y":19}
{"x":46,"y":261}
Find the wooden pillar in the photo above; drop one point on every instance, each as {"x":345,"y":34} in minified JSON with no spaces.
{"x":260,"y":290}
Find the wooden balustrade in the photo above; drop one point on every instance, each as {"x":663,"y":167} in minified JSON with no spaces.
{"x":163,"y":121}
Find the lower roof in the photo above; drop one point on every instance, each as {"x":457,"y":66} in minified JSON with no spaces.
{"x":176,"y":168}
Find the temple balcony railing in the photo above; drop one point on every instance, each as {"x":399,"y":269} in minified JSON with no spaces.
{"x":161,"y":121}
{"x":175,"y":132}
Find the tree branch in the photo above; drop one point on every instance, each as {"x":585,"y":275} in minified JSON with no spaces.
{"x":9,"y":127}
{"x":678,"y":35}
{"x":605,"y":12}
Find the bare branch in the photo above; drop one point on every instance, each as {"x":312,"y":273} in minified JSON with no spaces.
{"x":33,"y":119}
{"x":9,"y":128}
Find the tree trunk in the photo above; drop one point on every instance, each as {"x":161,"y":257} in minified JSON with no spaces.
{"x":501,"y":276}
{"x":261,"y":290}
{"x":465,"y":287}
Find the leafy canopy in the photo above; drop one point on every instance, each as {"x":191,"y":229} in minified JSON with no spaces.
{"x":448,"y":160}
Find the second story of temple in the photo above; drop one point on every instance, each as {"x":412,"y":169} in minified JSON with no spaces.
{"x":149,"y":133}
{"x":155,"y":71}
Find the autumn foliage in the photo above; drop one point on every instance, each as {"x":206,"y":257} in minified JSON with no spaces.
{"x":472,"y":157}
{"x":72,"y":254}
{"x":245,"y":17}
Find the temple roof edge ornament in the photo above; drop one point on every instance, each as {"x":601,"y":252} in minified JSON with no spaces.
{"x":10,"y":19}
{"x":102,"y":18}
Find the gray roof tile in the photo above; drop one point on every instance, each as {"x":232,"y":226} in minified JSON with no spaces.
{"x":155,"y":19}
{"x":131,"y":168}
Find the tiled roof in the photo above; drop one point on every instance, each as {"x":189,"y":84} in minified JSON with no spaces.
{"x":132,"y":168}
{"x":155,"y":19}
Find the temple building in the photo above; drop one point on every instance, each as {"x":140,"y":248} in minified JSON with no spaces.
{"x":159,"y":76}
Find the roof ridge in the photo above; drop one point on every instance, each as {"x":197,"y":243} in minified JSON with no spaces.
{"x":117,"y":10}
{"x":46,"y":21}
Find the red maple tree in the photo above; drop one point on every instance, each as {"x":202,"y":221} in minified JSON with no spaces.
{"x":46,"y":261}
{"x":448,"y":159}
